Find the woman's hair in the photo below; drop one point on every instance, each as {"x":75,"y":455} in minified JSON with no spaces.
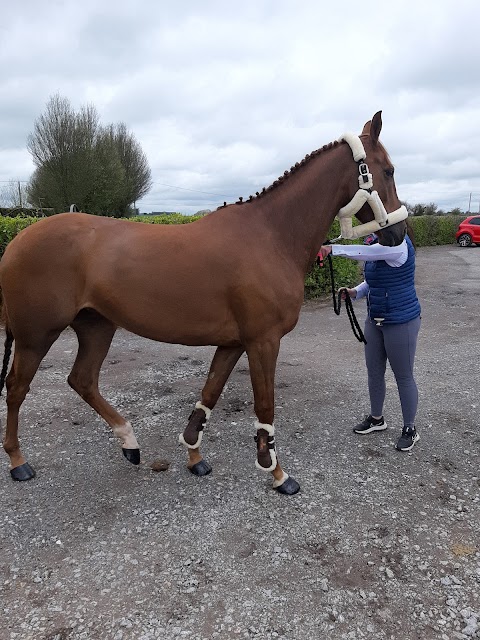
{"x":392,"y":236}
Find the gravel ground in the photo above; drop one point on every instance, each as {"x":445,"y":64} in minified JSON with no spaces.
{"x":378,"y":544}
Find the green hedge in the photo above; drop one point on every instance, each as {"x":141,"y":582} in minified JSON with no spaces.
{"x":434,"y":230}
{"x":171,"y":218}
{"x":9,"y":227}
{"x":428,"y":230}
{"x":346,"y":272}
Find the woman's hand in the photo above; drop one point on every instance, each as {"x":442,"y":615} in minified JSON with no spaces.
{"x":351,"y":292}
{"x":325,"y":250}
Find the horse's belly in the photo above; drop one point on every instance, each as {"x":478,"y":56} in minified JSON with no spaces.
{"x":177,"y":323}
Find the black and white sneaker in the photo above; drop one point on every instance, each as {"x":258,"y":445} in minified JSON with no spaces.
{"x":370,"y":424}
{"x":408,"y":438}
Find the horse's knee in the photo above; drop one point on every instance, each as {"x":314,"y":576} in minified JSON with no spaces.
{"x":16,"y":394}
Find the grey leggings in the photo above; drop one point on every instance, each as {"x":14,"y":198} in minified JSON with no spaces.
{"x":395,"y":343}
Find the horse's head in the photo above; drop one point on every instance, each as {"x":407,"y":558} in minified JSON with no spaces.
{"x":374,"y":202}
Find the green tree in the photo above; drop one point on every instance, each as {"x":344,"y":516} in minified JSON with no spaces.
{"x":102,"y":170}
{"x":424,"y":209}
{"x":431,"y":209}
{"x":136,"y":172}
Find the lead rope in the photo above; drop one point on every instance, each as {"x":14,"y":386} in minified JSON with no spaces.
{"x":337,"y":305}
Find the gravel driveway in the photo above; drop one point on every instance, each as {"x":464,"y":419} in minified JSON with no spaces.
{"x":378,"y":544}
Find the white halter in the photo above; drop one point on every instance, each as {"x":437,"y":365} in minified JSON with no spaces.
{"x":364,"y":194}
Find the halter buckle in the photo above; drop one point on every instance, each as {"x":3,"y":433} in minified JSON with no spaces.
{"x":365,"y":179}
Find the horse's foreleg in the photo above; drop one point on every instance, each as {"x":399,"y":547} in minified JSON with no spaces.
{"x":223,"y":362}
{"x":95,"y":333}
{"x":262,"y":357}
{"x":24,"y":367}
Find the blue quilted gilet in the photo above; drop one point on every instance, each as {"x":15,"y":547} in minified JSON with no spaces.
{"x":392,"y":296}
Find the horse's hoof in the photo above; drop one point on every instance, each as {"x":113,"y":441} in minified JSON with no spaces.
{"x":132,"y":455}
{"x":23,"y":472}
{"x":289,"y":487}
{"x":202,"y":468}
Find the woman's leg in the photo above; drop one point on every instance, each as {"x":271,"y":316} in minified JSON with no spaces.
{"x":376,"y":361}
{"x":400,"y":343}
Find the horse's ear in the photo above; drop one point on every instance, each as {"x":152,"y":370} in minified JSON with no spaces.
{"x":376,"y":127}
{"x":366,"y":128}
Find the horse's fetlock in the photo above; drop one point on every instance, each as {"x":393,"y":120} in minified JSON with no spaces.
{"x":10,"y":449}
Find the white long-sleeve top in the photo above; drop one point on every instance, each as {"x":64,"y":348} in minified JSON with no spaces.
{"x":393,"y":256}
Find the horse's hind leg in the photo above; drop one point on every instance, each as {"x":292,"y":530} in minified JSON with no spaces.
{"x":25,"y":364}
{"x":95,"y":333}
{"x":223,"y":362}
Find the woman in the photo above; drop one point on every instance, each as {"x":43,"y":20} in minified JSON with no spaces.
{"x":392,"y":324}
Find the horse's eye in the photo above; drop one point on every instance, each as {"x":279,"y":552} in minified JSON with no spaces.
{"x":389,"y":172}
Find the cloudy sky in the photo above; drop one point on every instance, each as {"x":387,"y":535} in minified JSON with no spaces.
{"x":225,"y":96}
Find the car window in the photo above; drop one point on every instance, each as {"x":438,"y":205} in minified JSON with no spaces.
{"x":475,"y":221}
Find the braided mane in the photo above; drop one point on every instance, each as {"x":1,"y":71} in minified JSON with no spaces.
{"x":293,"y":169}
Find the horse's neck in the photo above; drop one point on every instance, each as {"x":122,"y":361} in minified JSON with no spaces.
{"x":302,"y":209}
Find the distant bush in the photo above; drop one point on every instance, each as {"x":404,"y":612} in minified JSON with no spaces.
{"x":9,"y":227}
{"x":431,"y":230}
{"x":171,"y":218}
{"x":18,"y":212}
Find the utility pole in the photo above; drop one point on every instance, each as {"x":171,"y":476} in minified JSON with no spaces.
{"x":469,"y":202}
{"x":20,"y":194}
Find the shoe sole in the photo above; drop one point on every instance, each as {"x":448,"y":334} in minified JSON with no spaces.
{"x":416,"y":438}
{"x":378,"y":427}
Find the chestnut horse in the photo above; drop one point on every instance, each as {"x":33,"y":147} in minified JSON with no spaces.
{"x":233,"y":279}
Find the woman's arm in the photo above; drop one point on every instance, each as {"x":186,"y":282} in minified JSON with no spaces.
{"x":362,"y":290}
{"x":393,"y":256}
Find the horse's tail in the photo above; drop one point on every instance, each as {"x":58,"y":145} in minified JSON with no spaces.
{"x":8,"y":349}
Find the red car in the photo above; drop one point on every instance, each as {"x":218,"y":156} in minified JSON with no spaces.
{"x":469,"y":231}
